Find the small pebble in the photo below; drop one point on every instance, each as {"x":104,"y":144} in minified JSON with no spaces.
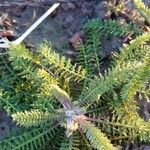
{"x":14,"y":21}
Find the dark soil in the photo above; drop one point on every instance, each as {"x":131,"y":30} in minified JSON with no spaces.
{"x":17,"y":16}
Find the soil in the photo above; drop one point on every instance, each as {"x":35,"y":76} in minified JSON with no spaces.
{"x":59,"y":28}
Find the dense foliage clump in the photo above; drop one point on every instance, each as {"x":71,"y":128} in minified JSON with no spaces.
{"x":75,"y":106}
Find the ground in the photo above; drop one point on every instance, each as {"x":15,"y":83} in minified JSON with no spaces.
{"x":59,"y":28}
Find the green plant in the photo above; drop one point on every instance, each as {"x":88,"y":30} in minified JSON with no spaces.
{"x":36,"y":86}
{"x":143,"y":10}
{"x":89,"y":54}
{"x":31,"y":67}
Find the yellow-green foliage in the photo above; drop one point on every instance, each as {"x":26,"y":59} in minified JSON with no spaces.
{"x":139,"y":80}
{"x":96,"y":137}
{"x":60,"y":66}
{"x":45,"y":58}
{"x":124,"y":68}
{"x":33,"y":90}
{"x":33,"y":118}
{"x":144,"y":10}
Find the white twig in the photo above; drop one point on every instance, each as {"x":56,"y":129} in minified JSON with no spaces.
{"x":7,"y":43}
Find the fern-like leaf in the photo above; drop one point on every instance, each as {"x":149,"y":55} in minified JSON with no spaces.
{"x":60,"y":66}
{"x":100,"y":85}
{"x":31,"y":140}
{"x":24,"y":61}
{"x":124,"y":125}
{"x":144,"y":10}
{"x":138,"y":81}
{"x":128,"y":52}
{"x":73,"y":143}
{"x":107,"y":27}
{"x":89,"y":54}
{"x":95,"y":136}
{"x":33,"y":118}
{"x":119,"y":74}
